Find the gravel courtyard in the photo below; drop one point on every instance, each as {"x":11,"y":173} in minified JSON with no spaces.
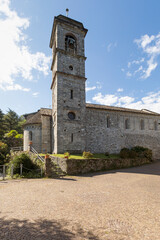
{"x":123,"y":204}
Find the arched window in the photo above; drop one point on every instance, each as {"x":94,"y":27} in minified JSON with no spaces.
{"x":127,"y":123}
{"x":142,"y":124}
{"x":70,"y":44}
{"x":30,"y":135}
{"x":155,"y":125}
{"x":108,"y":121}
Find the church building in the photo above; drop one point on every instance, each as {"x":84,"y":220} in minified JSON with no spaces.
{"x":72,"y":124}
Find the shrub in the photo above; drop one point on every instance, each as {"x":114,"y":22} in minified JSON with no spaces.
{"x":124,"y":153}
{"x":136,"y":152}
{"x":148,"y":154}
{"x":139,"y":149}
{"x":3,"y":153}
{"x":67,"y":154}
{"x":107,"y":154}
{"x":132,"y":154}
{"x":3,"y":148}
{"x":87,"y":155}
{"x":24,"y":159}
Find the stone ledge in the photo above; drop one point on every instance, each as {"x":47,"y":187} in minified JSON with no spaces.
{"x":80,"y":166}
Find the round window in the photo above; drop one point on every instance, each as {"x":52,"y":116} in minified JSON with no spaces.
{"x":71,"y":115}
{"x":71,"y":67}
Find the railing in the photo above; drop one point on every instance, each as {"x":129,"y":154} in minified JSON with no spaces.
{"x":17,"y":148}
{"x":21,"y":171}
{"x":35,"y":152}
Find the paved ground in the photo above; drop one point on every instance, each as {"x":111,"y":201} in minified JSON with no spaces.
{"x":119,"y":205}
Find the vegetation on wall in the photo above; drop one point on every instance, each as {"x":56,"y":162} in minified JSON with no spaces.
{"x":136,"y":152}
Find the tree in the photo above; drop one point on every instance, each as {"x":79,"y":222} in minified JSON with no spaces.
{"x":2,"y":127}
{"x":11,"y":120}
{"x":13,"y":139}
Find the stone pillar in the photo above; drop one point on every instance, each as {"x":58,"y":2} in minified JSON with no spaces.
{"x":48,"y":166}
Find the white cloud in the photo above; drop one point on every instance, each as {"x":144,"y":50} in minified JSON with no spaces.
{"x":144,"y":40}
{"x":120,"y":90}
{"x":151,"y":66}
{"x":139,"y":69}
{"x":17,"y":87}
{"x":150,"y":46}
{"x":107,"y":99}
{"x":129,"y":74}
{"x":151,"y":101}
{"x":16,"y":59}
{"x":90,"y":88}
{"x":98,"y":86}
{"x":135,"y":62}
{"x":35,"y":94}
{"x":111,"y":46}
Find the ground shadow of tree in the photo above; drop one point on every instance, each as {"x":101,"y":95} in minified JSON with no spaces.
{"x":16,"y":229}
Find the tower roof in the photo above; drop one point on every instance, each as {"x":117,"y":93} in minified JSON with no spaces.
{"x":66,"y":20}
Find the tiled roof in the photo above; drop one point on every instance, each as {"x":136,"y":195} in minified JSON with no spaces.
{"x":35,"y":118}
{"x":111,"y":108}
{"x":46,"y":111}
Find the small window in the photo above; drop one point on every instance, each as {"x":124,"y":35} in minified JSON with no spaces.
{"x":71,"y":94}
{"x":155,"y":125}
{"x":127,"y":123}
{"x":71,"y":115}
{"x":142,"y":124}
{"x":108,"y":122}
{"x":72,"y":137}
{"x":30,"y":135}
{"x":71,"y":67}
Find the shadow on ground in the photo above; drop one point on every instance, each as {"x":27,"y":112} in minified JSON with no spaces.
{"x":42,"y":229}
{"x":150,"y":169}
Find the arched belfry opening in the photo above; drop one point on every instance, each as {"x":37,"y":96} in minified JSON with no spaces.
{"x":70,"y":44}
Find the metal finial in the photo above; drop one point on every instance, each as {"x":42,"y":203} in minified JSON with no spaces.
{"x":67,"y":11}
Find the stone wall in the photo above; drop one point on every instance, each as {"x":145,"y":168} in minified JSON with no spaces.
{"x":75,"y":166}
{"x":101,"y":138}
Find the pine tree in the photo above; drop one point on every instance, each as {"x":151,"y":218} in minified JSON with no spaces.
{"x":11,"y":121}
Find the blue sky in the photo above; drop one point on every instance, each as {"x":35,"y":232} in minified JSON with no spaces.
{"x":122,"y":49}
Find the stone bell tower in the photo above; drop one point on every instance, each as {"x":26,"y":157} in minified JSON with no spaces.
{"x":68,"y":85}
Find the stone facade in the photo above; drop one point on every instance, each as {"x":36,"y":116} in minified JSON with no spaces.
{"x":74,"y":126}
{"x":111,"y":138}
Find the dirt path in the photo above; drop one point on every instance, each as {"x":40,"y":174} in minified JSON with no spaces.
{"x":119,"y":205}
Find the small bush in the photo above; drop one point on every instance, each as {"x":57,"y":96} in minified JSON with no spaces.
{"x":139,"y":149}
{"x":24,"y":159}
{"x":67,"y":154}
{"x":3,"y":153}
{"x":87,"y":155}
{"x":124,"y":153}
{"x":107,"y":154}
{"x":148,"y":154}
{"x":133,"y":154}
{"x":136,"y":152}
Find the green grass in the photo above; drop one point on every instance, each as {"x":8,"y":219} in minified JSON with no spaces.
{"x":79,"y":156}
